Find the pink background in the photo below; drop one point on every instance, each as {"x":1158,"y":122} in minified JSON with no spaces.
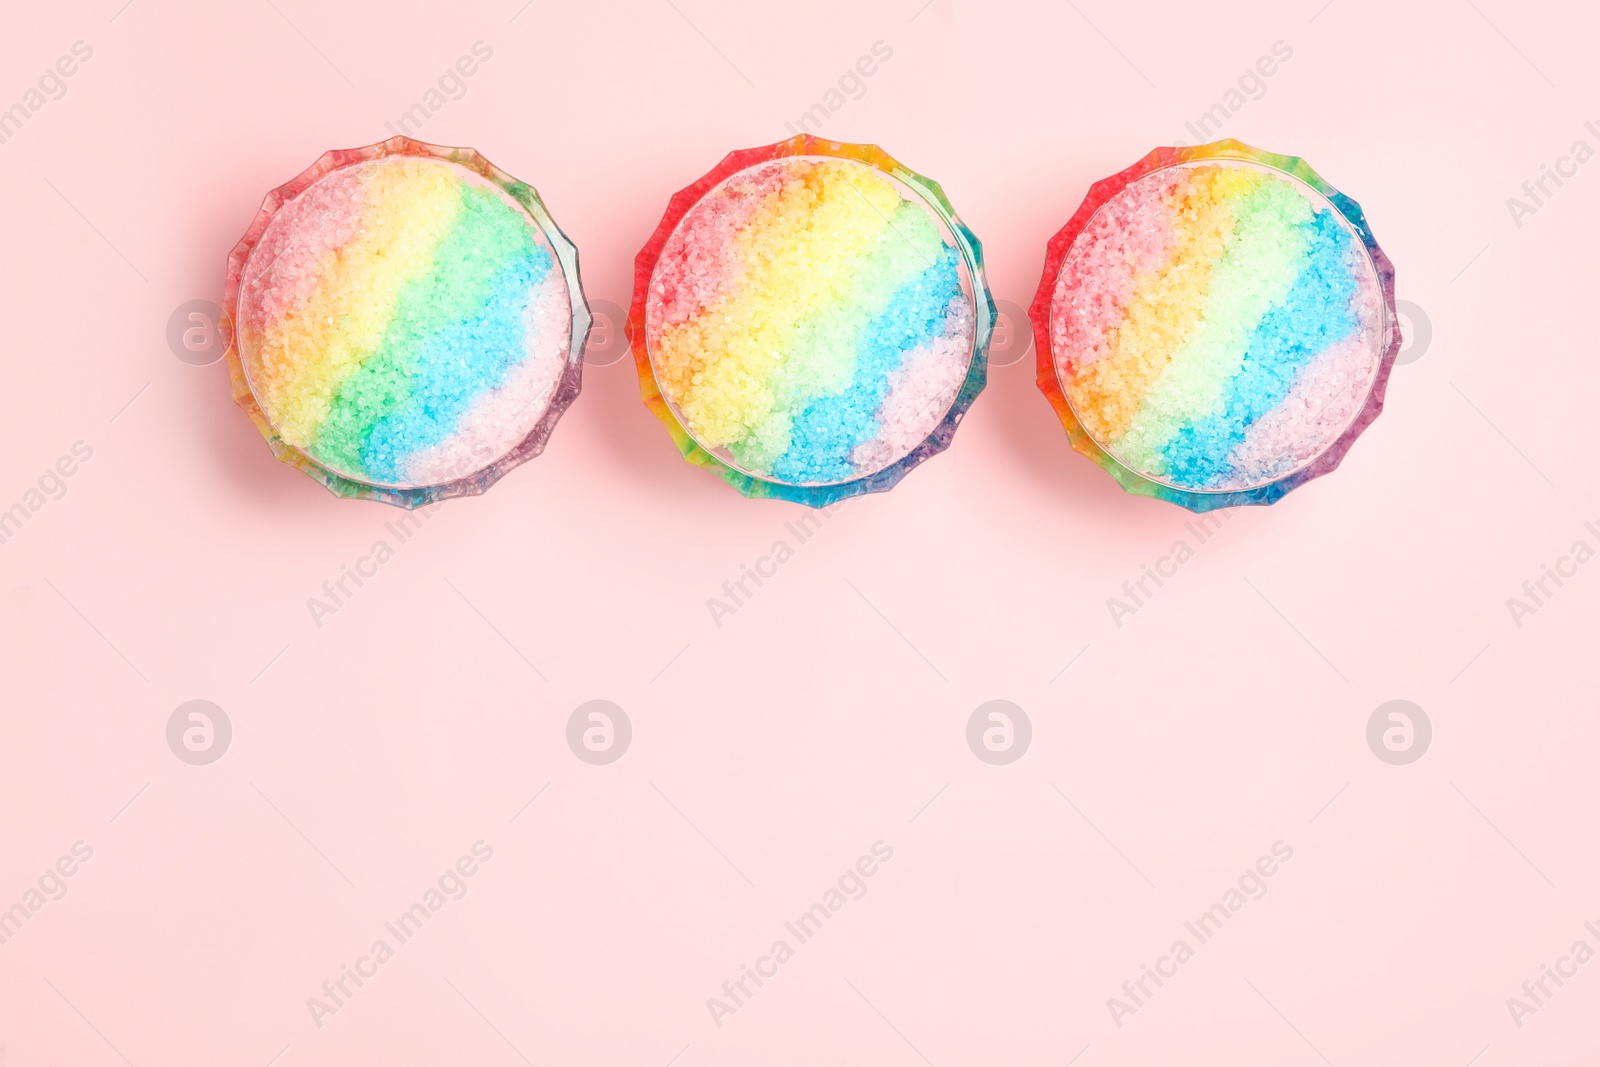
{"x":829,"y":713}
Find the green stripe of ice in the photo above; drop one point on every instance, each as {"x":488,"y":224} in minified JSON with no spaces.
{"x":821,"y":359}
{"x":1259,"y":263}
{"x":487,"y":235}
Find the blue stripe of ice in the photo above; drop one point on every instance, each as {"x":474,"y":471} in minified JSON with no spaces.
{"x":823,"y":435}
{"x":455,"y":366}
{"x":1316,"y":314}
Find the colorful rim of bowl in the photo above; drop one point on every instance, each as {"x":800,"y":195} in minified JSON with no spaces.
{"x":1050,"y":384}
{"x":567,"y":386}
{"x":984,"y":313}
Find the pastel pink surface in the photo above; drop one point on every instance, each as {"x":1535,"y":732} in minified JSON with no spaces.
{"x":772,"y":746}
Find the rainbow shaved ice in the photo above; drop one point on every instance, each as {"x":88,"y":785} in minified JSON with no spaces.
{"x":403,"y":322}
{"x":810,"y":322}
{"x":1217,"y":326}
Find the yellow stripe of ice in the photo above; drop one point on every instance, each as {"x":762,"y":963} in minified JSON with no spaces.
{"x":799,"y":252}
{"x":410,"y":205}
{"x":1260,"y":265}
{"x":1165,"y":307}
